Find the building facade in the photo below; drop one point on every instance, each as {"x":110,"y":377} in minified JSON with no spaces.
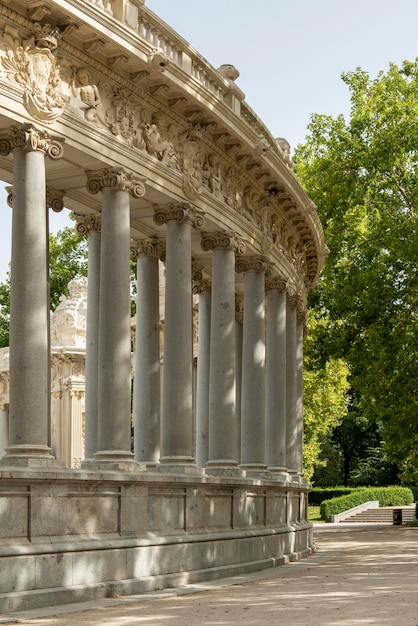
{"x":107,"y":112}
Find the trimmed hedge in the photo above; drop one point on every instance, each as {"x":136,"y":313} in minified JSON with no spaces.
{"x":387,"y":496}
{"x":319,"y":494}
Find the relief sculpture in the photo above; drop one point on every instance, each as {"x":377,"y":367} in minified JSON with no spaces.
{"x":31,"y":63}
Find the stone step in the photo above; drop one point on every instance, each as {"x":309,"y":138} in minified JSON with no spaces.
{"x":383,"y":514}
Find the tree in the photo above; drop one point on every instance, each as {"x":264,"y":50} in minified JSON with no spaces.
{"x":362,"y":174}
{"x":67,"y":259}
{"x":325,"y":396}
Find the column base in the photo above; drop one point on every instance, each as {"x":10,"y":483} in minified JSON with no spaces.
{"x":113,"y":460}
{"x":229,"y":469}
{"x":29,"y":456}
{"x":280,"y":474}
{"x":254,"y":470}
{"x":178,"y":465}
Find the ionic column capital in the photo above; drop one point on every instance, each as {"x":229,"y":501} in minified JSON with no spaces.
{"x":26,"y":137}
{"x":226,"y":240}
{"x":292,"y":300}
{"x":87,"y":224}
{"x":276,"y":282}
{"x":182,"y":212}
{"x":115,"y":179}
{"x":253,"y":263}
{"x":202,"y":286}
{"x":152,"y":247}
{"x":55,"y":199}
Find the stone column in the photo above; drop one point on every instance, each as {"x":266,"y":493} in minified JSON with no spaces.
{"x":223,"y":452}
{"x":114,"y":358}
{"x":276,"y":377}
{"x":146,"y":405}
{"x":253,"y":363}
{"x":239,"y":328}
{"x":30,"y":395}
{"x":300,"y":329}
{"x":4,"y":428}
{"x":177,"y":413}
{"x":291,"y":385}
{"x":203,"y":288}
{"x":91,"y":225}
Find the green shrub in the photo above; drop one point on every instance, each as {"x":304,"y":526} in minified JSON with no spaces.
{"x":387,"y":496}
{"x":414,"y":489}
{"x":319,"y":494}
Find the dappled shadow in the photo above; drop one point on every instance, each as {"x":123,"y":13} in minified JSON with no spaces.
{"x":365,"y":576}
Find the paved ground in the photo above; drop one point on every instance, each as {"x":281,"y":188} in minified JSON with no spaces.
{"x":360,"y":575}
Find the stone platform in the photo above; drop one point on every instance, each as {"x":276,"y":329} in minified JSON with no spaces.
{"x":74,"y":536}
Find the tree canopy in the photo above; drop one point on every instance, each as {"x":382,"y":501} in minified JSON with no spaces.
{"x":362,"y":175}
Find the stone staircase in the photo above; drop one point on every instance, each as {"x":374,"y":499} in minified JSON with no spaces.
{"x":383,"y":514}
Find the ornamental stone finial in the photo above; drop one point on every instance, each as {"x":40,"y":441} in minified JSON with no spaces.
{"x":227,"y":240}
{"x":27,"y":137}
{"x":181,"y":212}
{"x":115,"y":179}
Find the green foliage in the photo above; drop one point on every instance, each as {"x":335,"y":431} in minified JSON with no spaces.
{"x":319,"y":494}
{"x":67,"y":260}
{"x":325,"y":396}
{"x":387,"y":496}
{"x":362,"y":175}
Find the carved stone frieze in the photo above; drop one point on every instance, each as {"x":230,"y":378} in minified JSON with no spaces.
{"x":85,"y":93}
{"x":32,"y":64}
{"x":181,"y":212}
{"x":223,"y":239}
{"x":115,"y":179}
{"x":27,"y":137}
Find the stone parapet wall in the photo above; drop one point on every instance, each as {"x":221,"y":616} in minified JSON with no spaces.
{"x":68,"y":536}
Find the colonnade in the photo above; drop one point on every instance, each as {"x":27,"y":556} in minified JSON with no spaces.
{"x":247,"y":410}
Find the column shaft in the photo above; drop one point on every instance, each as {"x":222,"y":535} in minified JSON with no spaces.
{"x":253,"y":372}
{"x":222,"y":401}
{"x":291,"y":386}
{"x":114,"y":389}
{"x":29,"y":309}
{"x":147,"y":362}
{"x":92,"y":339}
{"x":276,"y":380}
{"x":299,"y":393}
{"x":202,"y":385}
{"x":177,"y":416}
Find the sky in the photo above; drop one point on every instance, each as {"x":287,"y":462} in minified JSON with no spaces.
{"x":290,"y":55}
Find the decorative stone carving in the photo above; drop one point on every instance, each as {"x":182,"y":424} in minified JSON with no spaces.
{"x":148,"y":247}
{"x":68,"y":321}
{"x":115,"y":179}
{"x":27,"y":137}
{"x":31,"y":63}
{"x":86,"y":92}
{"x":222,"y":239}
{"x":276,"y":282}
{"x":229,"y":72}
{"x":284,"y":146}
{"x":253,"y":263}
{"x":202,"y":286}
{"x":88,"y":223}
{"x":158,"y":60}
{"x":179,"y":213}
{"x":54,"y":199}
{"x":239,"y":310}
